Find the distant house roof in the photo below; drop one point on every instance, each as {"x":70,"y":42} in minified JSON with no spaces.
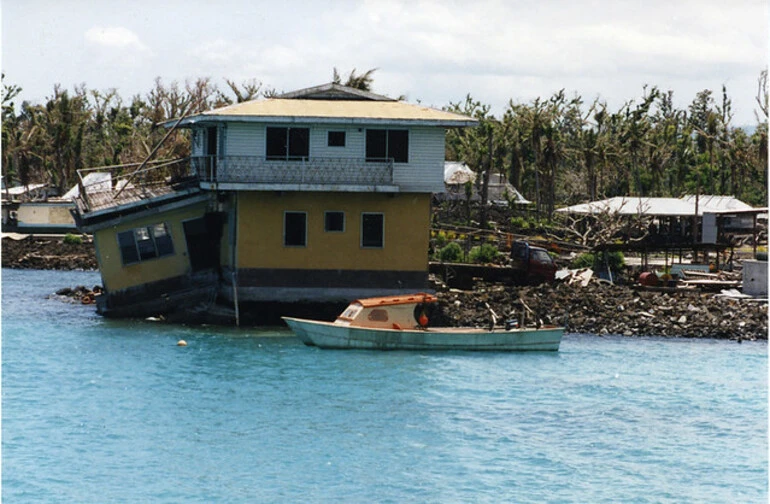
{"x":456,"y":173}
{"x":22,"y":189}
{"x":661,"y":207}
{"x":334,"y":91}
{"x":94,"y":181}
{"x":331,"y":103}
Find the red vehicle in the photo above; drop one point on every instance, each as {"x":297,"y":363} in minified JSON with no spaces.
{"x":532,"y":265}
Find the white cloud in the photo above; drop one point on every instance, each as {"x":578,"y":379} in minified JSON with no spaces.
{"x":114,"y":37}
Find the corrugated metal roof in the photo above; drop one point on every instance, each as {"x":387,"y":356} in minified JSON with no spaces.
{"x":19,"y":190}
{"x":633,"y":206}
{"x":626,"y":205}
{"x":338,"y":111}
{"x":713,"y":203}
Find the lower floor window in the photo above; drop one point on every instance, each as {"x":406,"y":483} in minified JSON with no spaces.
{"x":143,"y":243}
{"x":372,"y":230}
{"x":334,"y":222}
{"x":294,"y":229}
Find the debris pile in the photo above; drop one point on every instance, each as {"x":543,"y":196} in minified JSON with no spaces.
{"x":599,"y":307}
{"x":78,"y":295}
{"x":48,"y":254}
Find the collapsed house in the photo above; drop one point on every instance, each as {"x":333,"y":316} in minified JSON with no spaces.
{"x":321,"y":195}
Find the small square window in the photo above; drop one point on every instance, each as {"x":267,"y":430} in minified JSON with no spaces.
{"x":372,"y":230}
{"x":336,"y":139}
{"x":294,"y":229}
{"x":334,"y":222}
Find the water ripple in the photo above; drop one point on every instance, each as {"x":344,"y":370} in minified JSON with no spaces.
{"x":96,"y":410}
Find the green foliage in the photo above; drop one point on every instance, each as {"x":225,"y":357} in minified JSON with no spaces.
{"x":519,"y":223}
{"x":615,"y":260}
{"x":554,"y":149}
{"x":451,"y":252}
{"x":485,"y":253}
{"x":73,"y":239}
{"x":585,"y":260}
{"x":440,"y":239}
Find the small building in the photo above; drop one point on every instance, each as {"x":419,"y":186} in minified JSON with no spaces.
{"x":672,"y":219}
{"x":35,"y":208}
{"x":458,"y":174}
{"x":321,"y":195}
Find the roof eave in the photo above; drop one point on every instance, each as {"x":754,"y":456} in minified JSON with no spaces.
{"x":355,"y":121}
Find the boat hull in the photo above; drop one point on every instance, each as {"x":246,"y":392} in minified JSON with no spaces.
{"x":337,"y":336}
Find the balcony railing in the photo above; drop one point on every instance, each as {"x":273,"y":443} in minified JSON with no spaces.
{"x":110,"y":186}
{"x":310,"y":171}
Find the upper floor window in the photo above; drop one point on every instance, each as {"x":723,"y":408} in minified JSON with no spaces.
{"x":384,"y":144}
{"x":287,"y":144}
{"x":336,"y":139}
{"x":143,"y":243}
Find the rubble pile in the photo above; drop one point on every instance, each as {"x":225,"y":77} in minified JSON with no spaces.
{"x":602,"y":308}
{"x":48,"y":254}
{"x":78,"y":295}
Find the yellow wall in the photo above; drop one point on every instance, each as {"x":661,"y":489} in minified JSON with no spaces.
{"x":260,"y":231}
{"x":116,"y":276}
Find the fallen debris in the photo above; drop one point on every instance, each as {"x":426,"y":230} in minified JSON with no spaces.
{"x":602,"y":308}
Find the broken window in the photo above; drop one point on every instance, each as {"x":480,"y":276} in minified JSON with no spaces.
{"x":143,"y":243}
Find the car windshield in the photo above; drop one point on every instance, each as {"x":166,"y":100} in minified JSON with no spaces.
{"x":541,"y":256}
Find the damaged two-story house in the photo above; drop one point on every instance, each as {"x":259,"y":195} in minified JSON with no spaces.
{"x":313,"y":197}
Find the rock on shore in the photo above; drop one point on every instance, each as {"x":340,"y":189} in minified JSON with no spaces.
{"x":602,"y":308}
{"x":48,"y":253}
{"x":598,"y":308}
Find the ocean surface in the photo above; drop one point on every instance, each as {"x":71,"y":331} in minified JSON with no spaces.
{"x":96,"y":410}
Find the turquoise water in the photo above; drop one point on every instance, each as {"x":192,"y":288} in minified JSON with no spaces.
{"x":96,"y":410}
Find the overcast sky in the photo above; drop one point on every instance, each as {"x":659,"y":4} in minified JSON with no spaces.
{"x":434,"y":52}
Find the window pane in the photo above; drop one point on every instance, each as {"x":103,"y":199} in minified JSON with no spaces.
{"x":145,"y":244}
{"x":372,"y":230}
{"x":162,"y":240}
{"x":336,"y":139}
{"x":375,"y":145}
{"x":294,"y":229}
{"x":334,"y":221}
{"x":127,"y":245}
{"x":398,"y":145}
{"x":299,"y":143}
{"x":276,"y":143}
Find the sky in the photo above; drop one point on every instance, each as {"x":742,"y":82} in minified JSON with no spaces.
{"x":431,"y":52}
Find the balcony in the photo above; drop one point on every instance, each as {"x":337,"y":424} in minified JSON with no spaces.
{"x":108,"y":188}
{"x":260,"y":173}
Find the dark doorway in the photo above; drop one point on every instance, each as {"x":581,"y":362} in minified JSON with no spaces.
{"x":203,"y":236}
{"x":211,"y":151}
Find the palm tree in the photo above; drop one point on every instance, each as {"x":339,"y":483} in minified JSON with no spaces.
{"x":362,"y":81}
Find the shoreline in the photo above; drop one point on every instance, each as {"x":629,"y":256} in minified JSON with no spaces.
{"x":598,"y":308}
